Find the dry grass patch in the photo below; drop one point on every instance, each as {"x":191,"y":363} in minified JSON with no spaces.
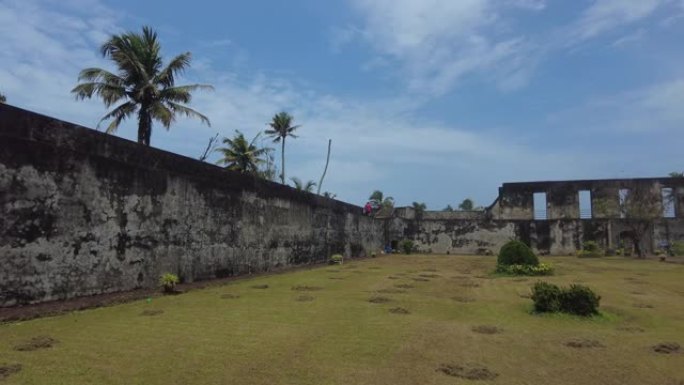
{"x":404,"y":286}
{"x":151,"y":312}
{"x":469,"y":372}
{"x":429,"y":275}
{"x":306,"y":288}
{"x":391,"y":291}
{"x":643,"y":306}
{"x":399,"y":310}
{"x":486,"y":329}
{"x":230,"y":296}
{"x":36,"y":343}
{"x":264,"y":286}
{"x":379,"y":299}
{"x":304,"y":298}
{"x":8,"y":370}
{"x":463,"y":299}
{"x":667,"y":348}
{"x":579,"y":343}
{"x":419,"y":279}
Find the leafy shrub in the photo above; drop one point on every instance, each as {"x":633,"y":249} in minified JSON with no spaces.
{"x":516,"y":253}
{"x":336,"y":259}
{"x":541,"y":269}
{"x":576,"y":299}
{"x":590,"y":249}
{"x":407,"y":246}
{"x":579,"y":300}
{"x":168,"y":282}
{"x":678,"y":249}
{"x":546,"y":297}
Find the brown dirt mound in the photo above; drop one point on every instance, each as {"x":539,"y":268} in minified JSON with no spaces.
{"x":421,"y":279}
{"x":404,"y":286}
{"x":431,"y":270}
{"x":643,"y":306}
{"x":667,"y":348}
{"x":583,"y":344}
{"x":463,"y":299}
{"x":306,"y":288}
{"x":340,"y":278}
{"x":486,"y":329}
{"x":8,"y":370}
{"x":304,"y":298}
{"x":637,"y":292}
{"x":472,"y":373}
{"x":469,"y":284}
{"x":631,"y":329}
{"x":378,"y":299}
{"x":392,"y":277}
{"x":35,"y":343}
{"x":391,"y":291}
{"x":152,"y":312}
{"x":520,"y":279}
{"x":429,"y":275}
{"x":230,"y":296}
{"x":399,"y":310}
{"x":260,"y":287}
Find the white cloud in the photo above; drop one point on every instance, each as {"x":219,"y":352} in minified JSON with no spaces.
{"x":605,"y":15}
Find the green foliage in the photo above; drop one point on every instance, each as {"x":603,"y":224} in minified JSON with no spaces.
{"x":546,"y":297}
{"x":590,"y":249}
{"x":577,"y":299}
{"x":678,"y":249}
{"x":301,"y":186}
{"x":168,"y":282}
{"x":3,"y":99}
{"x":336,"y":259}
{"x":407,"y":246}
{"x":466,"y":205}
{"x":419,"y":208}
{"x":281,"y":128}
{"x":531,"y":270}
{"x":448,"y":208}
{"x":241,"y":155}
{"x":143,"y":87}
{"x":516,"y":253}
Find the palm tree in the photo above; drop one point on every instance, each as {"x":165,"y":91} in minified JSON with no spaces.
{"x":3,"y":99}
{"x":281,"y":128}
{"x":419,"y":207}
{"x":241,"y":155}
{"x":301,"y":186}
{"x":379,"y":199}
{"x":142,"y":84}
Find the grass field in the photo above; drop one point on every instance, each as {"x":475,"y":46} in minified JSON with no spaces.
{"x":319,"y":327}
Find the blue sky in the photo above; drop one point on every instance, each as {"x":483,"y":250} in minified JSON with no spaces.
{"x":426,"y":100}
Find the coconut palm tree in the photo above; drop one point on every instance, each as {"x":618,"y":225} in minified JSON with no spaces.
{"x":241,"y":155}
{"x":301,"y":186}
{"x":281,"y":128}
{"x":380,"y":200}
{"x":142,"y":85}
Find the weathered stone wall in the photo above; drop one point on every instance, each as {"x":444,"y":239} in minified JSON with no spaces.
{"x":85,"y":213}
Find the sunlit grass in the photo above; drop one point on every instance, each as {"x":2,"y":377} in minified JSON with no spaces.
{"x":240,"y":334}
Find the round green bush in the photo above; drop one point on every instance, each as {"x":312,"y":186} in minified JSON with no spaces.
{"x":516,"y":253}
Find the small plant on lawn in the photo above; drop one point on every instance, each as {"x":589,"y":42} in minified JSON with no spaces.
{"x":678,"y":249}
{"x":407,"y":246}
{"x":336,"y":259}
{"x":577,"y":299}
{"x":168,"y":282}
{"x":539,"y":270}
{"x":517,"y":253}
{"x":590,"y":249}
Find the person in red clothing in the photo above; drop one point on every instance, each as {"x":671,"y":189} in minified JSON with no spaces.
{"x":367,"y":209}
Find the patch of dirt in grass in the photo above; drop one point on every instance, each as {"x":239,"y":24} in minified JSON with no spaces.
{"x":375,"y":268}
{"x":404,"y":286}
{"x":469,"y":372}
{"x":469,"y":284}
{"x":486,"y":329}
{"x":483,"y":276}
{"x":637,"y":292}
{"x":463,"y":299}
{"x":379,"y":299}
{"x":356,"y":271}
{"x":525,"y":295}
{"x":392,"y":277}
{"x":579,"y":343}
{"x":635,"y":280}
{"x":520,"y":279}
{"x":642,"y":274}
{"x":264,"y":286}
{"x":334,"y":271}
{"x":306,"y":288}
{"x":304,"y":298}
{"x":667,"y":348}
{"x":152,"y":312}
{"x":340,"y":278}
{"x":8,"y":370}
{"x":399,"y":310}
{"x":421,"y":279}
{"x":391,"y":291}
{"x":35,"y":343}
{"x":230,"y":296}
{"x":631,"y":329}
{"x":401,"y":274}
{"x":429,"y":275}
{"x":643,"y":306}
{"x":431,"y":270}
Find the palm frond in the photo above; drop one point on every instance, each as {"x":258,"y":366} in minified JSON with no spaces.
{"x":118,"y":115}
{"x":188,"y":112}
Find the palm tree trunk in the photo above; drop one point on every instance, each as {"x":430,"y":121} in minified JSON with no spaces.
{"x":144,"y":126}
{"x":282,"y":162}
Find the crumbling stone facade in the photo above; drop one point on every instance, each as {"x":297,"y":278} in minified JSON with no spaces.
{"x":84,"y":213}
{"x":563,"y":229}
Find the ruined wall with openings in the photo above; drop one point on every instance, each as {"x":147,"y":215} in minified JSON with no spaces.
{"x":85,"y":213}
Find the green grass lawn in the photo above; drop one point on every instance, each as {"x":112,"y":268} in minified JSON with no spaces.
{"x":331,"y":334}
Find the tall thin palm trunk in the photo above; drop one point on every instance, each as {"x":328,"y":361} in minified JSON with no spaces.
{"x":282,"y":162}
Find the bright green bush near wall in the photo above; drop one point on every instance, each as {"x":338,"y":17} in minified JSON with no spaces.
{"x":539,"y":270}
{"x":516,"y":253}
{"x":336,"y":259}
